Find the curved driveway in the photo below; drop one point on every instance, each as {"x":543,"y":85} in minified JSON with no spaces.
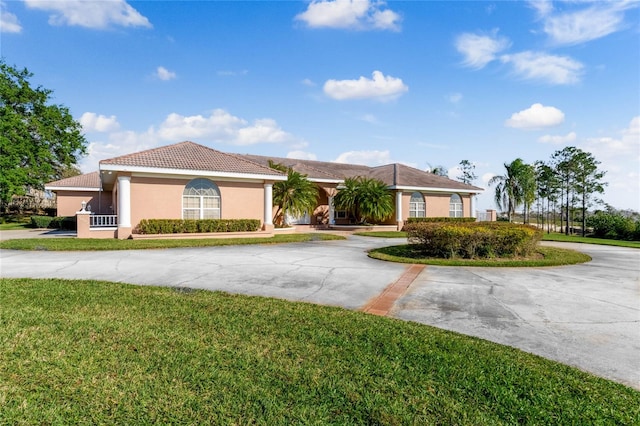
{"x":585,"y":315}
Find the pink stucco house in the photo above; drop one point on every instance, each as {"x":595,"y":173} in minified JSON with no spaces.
{"x":191,"y":181}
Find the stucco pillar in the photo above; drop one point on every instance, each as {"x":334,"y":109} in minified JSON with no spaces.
{"x":124,"y":207}
{"x":399,"y":219}
{"x":83,"y":223}
{"x":268,"y":204}
{"x":332,"y":212}
{"x":473,"y":205}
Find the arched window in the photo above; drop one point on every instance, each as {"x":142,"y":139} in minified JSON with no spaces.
{"x":455,"y":206}
{"x":201,"y":200}
{"x":417,"y":206}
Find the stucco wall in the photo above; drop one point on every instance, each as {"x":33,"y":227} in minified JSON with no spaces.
{"x":159,"y":198}
{"x":437,"y":204}
{"x":69,"y":202}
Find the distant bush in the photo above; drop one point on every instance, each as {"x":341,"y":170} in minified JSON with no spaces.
{"x":189,"y":226}
{"x":473,"y":240}
{"x":440,"y":219}
{"x":67,"y":223}
{"x":41,"y":221}
{"x":614,"y":226}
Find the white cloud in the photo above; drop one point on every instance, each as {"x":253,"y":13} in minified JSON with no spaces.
{"x":302,"y":155}
{"x":92,"y":122}
{"x":351,"y":14}
{"x":219,"y":127}
{"x":164,"y":74}
{"x":8,"y":21}
{"x":369,"y":118}
{"x":91,"y":14}
{"x":263,"y":130}
{"x":367,"y":158}
{"x":222,"y":127}
{"x":558,"y":140}
{"x":479,"y":50}
{"x":596,"y":21}
{"x":380,"y":87}
{"x":542,"y":7}
{"x":454,"y":98}
{"x":544,"y":67}
{"x":620,"y":157}
{"x":537,"y":116}
{"x":308,"y":82}
{"x":228,"y":73}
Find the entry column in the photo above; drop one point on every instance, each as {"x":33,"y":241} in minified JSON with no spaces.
{"x":399,"y":220}
{"x":124,"y":207}
{"x":268,"y":206}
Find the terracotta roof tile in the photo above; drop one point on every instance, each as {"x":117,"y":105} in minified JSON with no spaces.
{"x":392,"y":174}
{"x":88,"y":180}
{"x":191,"y":156}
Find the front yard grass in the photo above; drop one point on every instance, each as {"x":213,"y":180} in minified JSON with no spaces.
{"x":589,"y":240}
{"x":89,"y":352}
{"x":545,"y":256}
{"x":89,"y":244}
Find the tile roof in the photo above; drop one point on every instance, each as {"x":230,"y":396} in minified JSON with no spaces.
{"x":191,"y":156}
{"x":392,"y":174}
{"x":88,"y":180}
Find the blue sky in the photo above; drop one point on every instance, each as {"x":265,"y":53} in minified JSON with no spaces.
{"x":423,"y":83}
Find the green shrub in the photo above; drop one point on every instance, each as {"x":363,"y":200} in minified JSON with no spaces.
{"x":189,"y":226}
{"x":473,"y":240}
{"x":41,"y":221}
{"x":66,"y":223}
{"x":439,"y":219}
{"x":613,"y":226}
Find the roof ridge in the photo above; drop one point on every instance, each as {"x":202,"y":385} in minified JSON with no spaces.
{"x":243,"y":158}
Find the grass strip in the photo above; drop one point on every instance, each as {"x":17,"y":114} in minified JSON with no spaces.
{"x":589,"y":240}
{"x":89,"y":352}
{"x":545,"y":256}
{"x":91,"y":244}
{"x":382,"y":234}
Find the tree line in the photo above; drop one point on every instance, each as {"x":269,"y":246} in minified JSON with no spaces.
{"x":569,"y":181}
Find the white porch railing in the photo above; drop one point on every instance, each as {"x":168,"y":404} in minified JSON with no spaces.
{"x":103,"y":221}
{"x":483,"y":216}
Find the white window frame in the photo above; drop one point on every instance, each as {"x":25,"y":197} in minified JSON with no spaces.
{"x":417,"y":208}
{"x":455,"y":206}
{"x":201,"y":194}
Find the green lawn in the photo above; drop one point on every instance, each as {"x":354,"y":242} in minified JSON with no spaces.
{"x":88,"y":244}
{"x":88,"y":352}
{"x":382,"y":234}
{"x":10,"y":226}
{"x":589,"y":240}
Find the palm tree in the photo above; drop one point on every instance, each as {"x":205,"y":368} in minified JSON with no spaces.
{"x":366,"y":199}
{"x":294,"y":196}
{"x":508,"y":193}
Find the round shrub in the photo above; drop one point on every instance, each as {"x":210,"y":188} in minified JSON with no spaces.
{"x":473,"y":240}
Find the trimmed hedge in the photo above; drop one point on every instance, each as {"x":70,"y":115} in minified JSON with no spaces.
{"x":440,"y":219}
{"x":473,"y":240}
{"x":190,"y":226}
{"x":67,"y":223}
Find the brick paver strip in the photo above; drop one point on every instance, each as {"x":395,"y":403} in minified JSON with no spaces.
{"x":382,"y":304}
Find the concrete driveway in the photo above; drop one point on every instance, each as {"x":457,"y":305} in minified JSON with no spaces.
{"x":335,"y":273}
{"x":585,"y":315}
